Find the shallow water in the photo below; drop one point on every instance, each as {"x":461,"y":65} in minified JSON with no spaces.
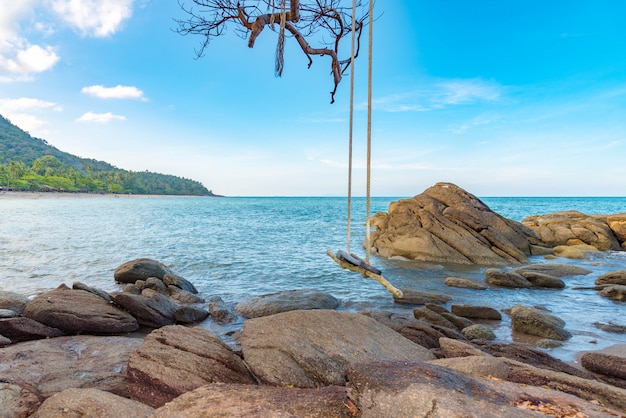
{"x":242,"y":247}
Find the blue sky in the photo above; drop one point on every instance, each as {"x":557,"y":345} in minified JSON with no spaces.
{"x":501,"y":98}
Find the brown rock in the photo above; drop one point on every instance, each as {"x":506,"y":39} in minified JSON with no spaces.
{"x":475,"y":311}
{"x":501,"y":278}
{"x":604,"y":364}
{"x":140,"y":269}
{"x":476,"y":365}
{"x":417,"y":297}
{"x":454,"y":348}
{"x":543,"y":280}
{"x":13,"y":301}
{"x":151,"y":308}
{"x":617,"y":223}
{"x":287,"y":300}
{"x":534,"y":322}
{"x":177,"y":359}
{"x":417,"y":331}
{"x":171,"y":279}
{"x":615,"y":292}
{"x":16,"y":402}
{"x":555,"y":270}
{"x":183,"y":296}
{"x":25,"y":329}
{"x":464,"y":282}
{"x":614,"y":277}
{"x":219,"y":312}
{"x":432,"y":317}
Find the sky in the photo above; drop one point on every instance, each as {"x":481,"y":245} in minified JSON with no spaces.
{"x":501,"y":98}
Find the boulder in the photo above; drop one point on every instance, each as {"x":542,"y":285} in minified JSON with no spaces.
{"x":617,"y":223}
{"x":572,"y":228}
{"x":155,"y":284}
{"x":604,"y":364}
{"x":16,"y":402}
{"x":183,"y":296}
{"x":475,"y":311}
{"x":464,"y":282}
{"x":446,"y":224}
{"x":172,"y":279}
{"x":614,"y":292}
{"x":188,"y":314}
{"x":476,"y":365}
{"x":454,"y":348}
{"x":555,"y":270}
{"x":509,"y":279}
{"x":419,"y":332}
{"x":478,"y":332}
{"x":313,"y":348}
{"x":91,"y":403}
{"x":219,"y":312}
{"x":13,"y":301}
{"x":177,"y":359}
{"x":25,"y":329}
{"x":458,"y":321}
{"x":287,"y":300}
{"x":531,"y":321}
{"x":79,"y":311}
{"x":45,"y":367}
{"x":417,"y":297}
{"x":611,"y":327}
{"x":140,"y":269}
{"x":542,"y":280}
{"x":614,"y":277}
{"x":229,"y":400}
{"x":98,"y":292}
{"x":428,"y":315}
{"x":151,"y":308}
{"x":576,"y":252}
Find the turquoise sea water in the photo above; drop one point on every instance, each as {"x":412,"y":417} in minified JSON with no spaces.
{"x":247,"y":246}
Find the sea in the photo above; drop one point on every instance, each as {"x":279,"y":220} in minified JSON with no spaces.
{"x":240,"y":247}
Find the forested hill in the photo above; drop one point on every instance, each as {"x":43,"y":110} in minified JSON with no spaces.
{"x":28,"y":163}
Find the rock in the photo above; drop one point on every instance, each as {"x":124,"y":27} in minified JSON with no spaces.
{"x":13,"y":301}
{"x":501,"y":278}
{"x":446,"y":224}
{"x":287,"y":300}
{"x":463,"y":282}
{"x":454,"y":348}
{"x":183,"y":296}
{"x":140,"y":269}
{"x":432,"y":317}
{"x":614,"y":277}
{"x":45,"y":367}
{"x":577,"y":252}
{"x":151,"y":308}
{"x":458,"y":321}
{"x":610,"y":327}
{"x":188,"y":314}
{"x":573,"y":228}
{"x":78,"y":311}
{"x":617,"y":223}
{"x":604,"y":364}
{"x":98,"y":292}
{"x":16,"y":402}
{"x":555,"y":270}
{"x":313,"y":348}
{"x":25,"y":329}
{"x":156,"y":284}
{"x":543,"y":280}
{"x":478,"y":332}
{"x":615,"y":292}
{"x":219,"y":312}
{"x":475,"y":311}
{"x":171,"y":279}
{"x":223,"y":400}
{"x":476,"y":365}
{"x":419,"y":332}
{"x":177,"y":359}
{"x":7,"y":313}
{"x":91,"y":403}
{"x":417,"y":297}
{"x":4,"y":341}
{"x":548,"y":343}
{"x":415,"y":389}
{"x":534,"y":322}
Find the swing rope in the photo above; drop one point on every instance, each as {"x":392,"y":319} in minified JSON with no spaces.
{"x":369,"y":132}
{"x":351,"y":126}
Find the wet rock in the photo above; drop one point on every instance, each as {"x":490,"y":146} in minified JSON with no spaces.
{"x":543,"y":280}
{"x":13,"y":301}
{"x":617,"y":223}
{"x":155,"y":284}
{"x":534,"y":322}
{"x":548,"y":343}
{"x":614,"y":277}
{"x":188,"y":314}
{"x":177,"y":359}
{"x":91,"y":403}
{"x":615,"y":292}
{"x":576,"y":252}
{"x":78,"y":311}
{"x":417,"y":297}
{"x":419,"y":332}
{"x":45,"y":367}
{"x":16,"y":402}
{"x":151,"y":308}
{"x":219,"y":311}
{"x":183,"y":296}
{"x":432,"y":317}
{"x":447,"y":224}
{"x":501,"y":278}
{"x":478,"y":332}
{"x":475,"y":311}
{"x":476,"y":365}
{"x":287,"y":300}
{"x":313,"y":348}
{"x":140,"y":269}
{"x":555,"y":270}
{"x":610,"y":327}
{"x":454,"y":348}
{"x":604,"y":364}
{"x":225,"y":400}
{"x":7,"y":313}
{"x":26,"y":329}
{"x":98,"y":292}
{"x":458,"y":321}
{"x":172,"y":279}
{"x":464,"y":283}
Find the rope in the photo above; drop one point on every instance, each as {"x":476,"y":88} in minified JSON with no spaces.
{"x":369,"y":132}
{"x":280,"y":47}
{"x":351,"y":125}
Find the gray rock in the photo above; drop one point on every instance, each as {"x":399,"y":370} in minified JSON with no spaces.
{"x":543,"y":280}
{"x":4,"y":341}
{"x":16,"y":402}
{"x":454,"y":348}
{"x":476,"y":365}
{"x":177,"y":359}
{"x":140,"y":269}
{"x":157,"y":285}
{"x":614,"y":277}
{"x":91,"y":403}
{"x":313,"y":348}
{"x":614,"y":292}
{"x":287,"y":300}
{"x":604,"y":364}
{"x":432,"y":317}
{"x":188,"y":314}
{"x":219,"y":311}
{"x":478,"y":332}
{"x":183,"y":296}
{"x":464,"y":283}
{"x":475,"y":311}
{"x":611,"y":327}
{"x":555,"y":270}
{"x":98,"y":292}
{"x":172,"y":279}
{"x":13,"y":301}
{"x":417,"y":297}
{"x":7,"y":313}
{"x":229,"y":400}
{"x":78,"y":311}
{"x":151,"y":308}
{"x":26,"y":329}
{"x":548,"y":343}
{"x":501,"y":278}
{"x":534,"y":322}
{"x":458,"y":321}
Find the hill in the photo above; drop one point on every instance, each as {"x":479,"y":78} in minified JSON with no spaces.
{"x":28,"y":163}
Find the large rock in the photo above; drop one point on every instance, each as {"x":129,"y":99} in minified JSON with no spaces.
{"x":224,"y":400}
{"x":501,"y":278}
{"x":572,"y":228}
{"x":617,"y":223}
{"x":614,"y":292}
{"x":16,"y":402}
{"x":605,"y":364}
{"x":79,"y":311}
{"x":464,"y":283}
{"x":220,"y":312}
{"x":177,"y":359}
{"x":476,"y":365}
{"x":140,"y":269}
{"x":313,"y":348}
{"x":475,"y":311}
{"x":542,"y":280}
{"x":91,"y":403}
{"x":287,"y":300}
{"x":419,"y":332}
{"x":13,"y":301}
{"x":531,"y":321}
{"x":151,"y":308}
{"x":45,"y":367}
{"x":25,"y":329}
{"x":446,"y":224}
{"x":614,"y":277}
{"x":555,"y":270}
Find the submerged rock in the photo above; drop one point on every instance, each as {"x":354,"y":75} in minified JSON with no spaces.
{"x":534,"y":322}
{"x":555,"y":270}
{"x":464,"y":282}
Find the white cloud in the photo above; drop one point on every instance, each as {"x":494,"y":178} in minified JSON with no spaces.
{"x":19,"y":112}
{"x":100,"y":117}
{"x":117,"y":92}
{"x":98,"y":18}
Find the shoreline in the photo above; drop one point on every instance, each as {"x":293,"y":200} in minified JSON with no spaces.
{"x":81,"y":195}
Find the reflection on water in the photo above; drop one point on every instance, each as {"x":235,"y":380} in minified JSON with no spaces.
{"x":241,"y":247}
